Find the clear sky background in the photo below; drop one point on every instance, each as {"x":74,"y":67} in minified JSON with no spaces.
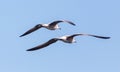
{"x":99,"y":17}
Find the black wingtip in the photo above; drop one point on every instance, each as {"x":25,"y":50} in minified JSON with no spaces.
{"x":102,"y":37}
{"x":32,"y":49}
{"x":72,"y":23}
{"x":107,"y":37}
{"x":21,"y":36}
{"x":29,"y":50}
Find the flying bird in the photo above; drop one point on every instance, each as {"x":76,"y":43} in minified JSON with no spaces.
{"x":51,"y":26}
{"x":66,"y":39}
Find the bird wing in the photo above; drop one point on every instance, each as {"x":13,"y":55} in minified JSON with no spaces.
{"x":59,"y":21}
{"x":32,"y":30}
{"x":102,"y":37}
{"x":43,"y":45}
{"x":71,"y":36}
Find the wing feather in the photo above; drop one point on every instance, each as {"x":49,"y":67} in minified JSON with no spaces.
{"x":102,"y":37}
{"x":32,"y":30}
{"x":59,"y":21}
{"x":43,"y":45}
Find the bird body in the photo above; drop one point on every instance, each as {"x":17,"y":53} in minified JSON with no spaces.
{"x":66,"y":39}
{"x":50,"y":26}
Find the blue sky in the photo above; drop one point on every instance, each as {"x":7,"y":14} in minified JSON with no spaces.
{"x":100,"y":17}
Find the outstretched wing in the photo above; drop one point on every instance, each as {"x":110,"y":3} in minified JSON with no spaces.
{"x":43,"y":45}
{"x":71,"y":36}
{"x":102,"y":37}
{"x":59,"y":21}
{"x":32,"y":30}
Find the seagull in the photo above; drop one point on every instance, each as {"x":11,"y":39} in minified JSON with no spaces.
{"x":51,"y":26}
{"x":66,"y":39}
